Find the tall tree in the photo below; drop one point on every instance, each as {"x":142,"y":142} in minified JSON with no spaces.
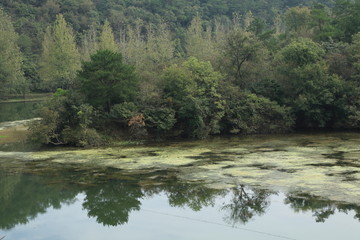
{"x":315,"y":96}
{"x":297,"y":20}
{"x":107,"y":39}
{"x":11,"y":75}
{"x":244,"y":58}
{"x":192,"y":91}
{"x":89,"y":44}
{"x":60,"y":59}
{"x":106,"y":80}
{"x":199,"y":41}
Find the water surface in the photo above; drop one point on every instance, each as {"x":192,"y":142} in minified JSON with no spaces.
{"x":18,"y":110}
{"x":74,"y":203}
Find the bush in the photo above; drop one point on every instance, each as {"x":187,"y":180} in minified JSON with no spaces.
{"x":64,"y":120}
{"x":159,"y":120}
{"x":82,"y":137}
{"x":247,"y":113}
{"x":123,"y":111}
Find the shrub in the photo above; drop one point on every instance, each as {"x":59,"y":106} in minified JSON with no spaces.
{"x":247,"y":113}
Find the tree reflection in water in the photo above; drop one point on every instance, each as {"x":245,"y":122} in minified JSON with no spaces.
{"x":111,"y":199}
{"x":245,"y":204}
{"x":322,"y":209}
{"x":112,"y":203}
{"x":23,"y":197}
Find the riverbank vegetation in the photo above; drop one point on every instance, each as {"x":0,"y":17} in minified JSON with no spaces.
{"x":155,"y":70}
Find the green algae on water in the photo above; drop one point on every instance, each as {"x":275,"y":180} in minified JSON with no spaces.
{"x":326,"y":165}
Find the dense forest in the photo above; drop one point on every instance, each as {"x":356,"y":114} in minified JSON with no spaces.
{"x":166,"y":68}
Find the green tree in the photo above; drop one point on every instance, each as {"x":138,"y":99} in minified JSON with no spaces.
{"x":247,"y":113}
{"x":354,"y":52}
{"x":297,"y":20}
{"x":199,"y":41}
{"x":105,"y":80}
{"x":310,"y":90}
{"x":107,"y":39}
{"x":192,"y":91}
{"x":60,"y":59}
{"x":65,"y":119}
{"x":321,"y":21}
{"x":11,"y":75}
{"x":244,"y":58}
{"x":346,"y":19}
{"x":89,"y":43}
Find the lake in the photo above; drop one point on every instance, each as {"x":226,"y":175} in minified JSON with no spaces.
{"x":80,"y":204}
{"x":18,"y":110}
{"x":293,"y":186}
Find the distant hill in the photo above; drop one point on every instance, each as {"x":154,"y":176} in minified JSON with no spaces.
{"x":31,"y":17}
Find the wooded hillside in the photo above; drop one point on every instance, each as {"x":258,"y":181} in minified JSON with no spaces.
{"x":198,"y":67}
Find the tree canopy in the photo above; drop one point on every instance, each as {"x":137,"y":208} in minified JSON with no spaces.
{"x":106,"y":80}
{"x":12,"y":78}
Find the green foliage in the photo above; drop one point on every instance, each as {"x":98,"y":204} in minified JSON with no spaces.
{"x":297,"y":20}
{"x":82,"y":137}
{"x":301,"y":52}
{"x":124,"y":111}
{"x":60,"y":59}
{"x":321,"y":23}
{"x":313,"y":93}
{"x":192,"y":91}
{"x":247,"y":113}
{"x":106,"y":80}
{"x":243,"y":57}
{"x":107,"y":39}
{"x":267,"y":58}
{"x":11,"y":73}
{"x":65,"y":120}
{"x":346,"y":19}
{"x":354,"y":52}
{"x":159,"y":120}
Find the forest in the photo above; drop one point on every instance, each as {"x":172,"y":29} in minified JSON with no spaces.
{"x":160,"y":69}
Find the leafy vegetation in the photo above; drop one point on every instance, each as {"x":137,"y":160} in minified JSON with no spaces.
{"x":180,"y":68}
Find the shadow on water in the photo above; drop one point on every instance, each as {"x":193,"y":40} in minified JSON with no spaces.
{"x":111,"y":195}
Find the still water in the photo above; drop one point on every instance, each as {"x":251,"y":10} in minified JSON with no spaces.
{"x":18,"y":111}
{"x":74,"y":203}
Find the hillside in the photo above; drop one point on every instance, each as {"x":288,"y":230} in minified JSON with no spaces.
{"x":183,"y":68}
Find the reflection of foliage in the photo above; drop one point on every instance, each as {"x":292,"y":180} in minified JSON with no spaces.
{"x":23,"y":198}
{"x":112,"y":203}
{"x":191,"y":195}
{"x":322,"y":209}
{"x":245,"y":204}
{"x":7,"y":186}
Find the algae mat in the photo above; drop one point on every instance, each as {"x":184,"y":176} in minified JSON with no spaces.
{"x":325,"y":165}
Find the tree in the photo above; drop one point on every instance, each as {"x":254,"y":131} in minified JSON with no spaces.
{"x":354,"y":50}
{"x":107,"y":39}
{"x":60,"y":59}
{"x":105,"y":80}
{"x":199,"y":42}
{"x":347,"y":18}
{"x":11,"y":75}
{"x":321,"y":22}
{"x":192,"y":91}
{"x":297,"y":20}
{"x":247,"y":113}
{"x":314,"y":95}
{"x":89,"y":44}
{"x":244,"y":57}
